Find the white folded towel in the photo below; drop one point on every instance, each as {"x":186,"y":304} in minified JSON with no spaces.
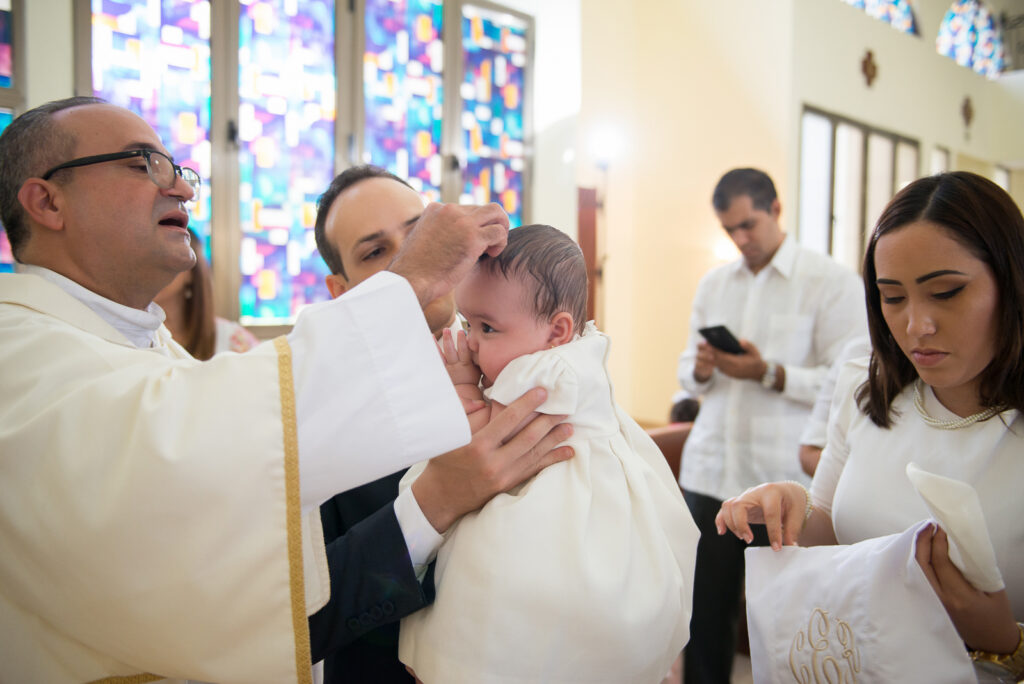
{"x":957,"y":509}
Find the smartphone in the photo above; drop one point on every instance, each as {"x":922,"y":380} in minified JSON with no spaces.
{"x":720,"y":338}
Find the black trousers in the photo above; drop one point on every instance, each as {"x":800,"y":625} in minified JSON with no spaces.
{"x":717,"y":590}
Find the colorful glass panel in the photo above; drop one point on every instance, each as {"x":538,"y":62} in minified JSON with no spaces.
{"x":153,"y":57}
{"x":402,"y":90}
{"x":969,"y":34}
{"x":6,"y":46}
{"x":6,"y":258}
{"x":494,"y":49}
{"x":896,"y":13}
{"x":286,"y":83}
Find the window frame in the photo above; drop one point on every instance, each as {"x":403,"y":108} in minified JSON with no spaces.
{"x":867,"y":130}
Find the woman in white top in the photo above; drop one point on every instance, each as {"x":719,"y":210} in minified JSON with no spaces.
{"x":944,"y":387}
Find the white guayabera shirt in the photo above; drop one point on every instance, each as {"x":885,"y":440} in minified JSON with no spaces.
{"x":799,"y":311}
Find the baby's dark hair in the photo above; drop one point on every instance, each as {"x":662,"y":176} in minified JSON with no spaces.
{"x":554,"y":261}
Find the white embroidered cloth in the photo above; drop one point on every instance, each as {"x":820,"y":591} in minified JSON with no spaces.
{"x":863,"y":612}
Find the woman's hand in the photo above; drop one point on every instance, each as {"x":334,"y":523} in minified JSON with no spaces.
{"x":984,"y":621}
{"x":780,"y":506}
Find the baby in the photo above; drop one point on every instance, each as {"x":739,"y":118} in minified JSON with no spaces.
{"x":585,"y":572}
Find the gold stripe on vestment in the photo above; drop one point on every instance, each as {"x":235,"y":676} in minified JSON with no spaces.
{"x":300,"y":626}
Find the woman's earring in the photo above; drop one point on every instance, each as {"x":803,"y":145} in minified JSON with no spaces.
{"x":188,"y":292}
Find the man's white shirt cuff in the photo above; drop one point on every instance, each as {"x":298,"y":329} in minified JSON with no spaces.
{"x":421,"y":538}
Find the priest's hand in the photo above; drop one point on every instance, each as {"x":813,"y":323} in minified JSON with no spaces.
{"x":445,"y":243}
{"x":500,"y":457}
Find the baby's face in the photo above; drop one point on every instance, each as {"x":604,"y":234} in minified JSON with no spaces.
{"x":502,"y":325}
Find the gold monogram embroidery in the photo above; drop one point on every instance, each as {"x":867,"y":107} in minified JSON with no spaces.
{"x":825,"y":653}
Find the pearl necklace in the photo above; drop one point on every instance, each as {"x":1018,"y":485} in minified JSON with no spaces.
{"x":948,"y":424}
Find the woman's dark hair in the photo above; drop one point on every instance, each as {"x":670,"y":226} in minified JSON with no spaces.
{"x":983,"y":218}
{"x":556,"y":264}
{"x":200,"y":333}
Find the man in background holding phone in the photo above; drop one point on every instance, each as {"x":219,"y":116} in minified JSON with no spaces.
{"x":792,"y":311}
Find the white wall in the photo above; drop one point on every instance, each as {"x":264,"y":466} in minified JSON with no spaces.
{"x":49,"y":73}
{"x":694,"y":89}
{"x":917,"y":93}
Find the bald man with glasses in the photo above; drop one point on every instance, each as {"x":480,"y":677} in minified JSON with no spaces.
{"x":159,"y":516}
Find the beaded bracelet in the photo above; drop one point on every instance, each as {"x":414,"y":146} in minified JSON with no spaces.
{"x":809,"y":508}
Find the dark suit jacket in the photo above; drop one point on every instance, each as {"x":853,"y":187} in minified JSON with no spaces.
{"x":372,"y":587}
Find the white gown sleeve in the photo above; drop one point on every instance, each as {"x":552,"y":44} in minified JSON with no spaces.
{"x":543,"y":369}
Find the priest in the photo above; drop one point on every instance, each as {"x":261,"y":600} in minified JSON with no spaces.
{"x":159,"y":516}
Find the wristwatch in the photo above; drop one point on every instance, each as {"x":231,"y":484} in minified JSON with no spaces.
{"x":771,"y":374}
{"x":1011,"y":663}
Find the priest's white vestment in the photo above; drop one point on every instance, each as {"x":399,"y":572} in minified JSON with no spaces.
{"x":152,"y":522}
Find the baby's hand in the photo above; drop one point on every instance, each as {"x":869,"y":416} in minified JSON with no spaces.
{"x":457,"y":359}
{"x":465,"y":376}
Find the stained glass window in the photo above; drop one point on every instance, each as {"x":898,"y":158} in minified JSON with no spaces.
{"x":969,"y":34}
{"x":494,"y":49}
{"x":6,"y":45}
{"x":153,"y":57}
{"x":402,"y":90}
{"x":6,"y":113}
{"x":896,"y":13}
{"x":286,"y":81}
{"x":6,"y":258}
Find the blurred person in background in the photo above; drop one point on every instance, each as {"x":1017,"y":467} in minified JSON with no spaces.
{"x":188,"y":305}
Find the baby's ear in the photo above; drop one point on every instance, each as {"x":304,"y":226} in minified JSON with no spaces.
{"x":561,"y":329}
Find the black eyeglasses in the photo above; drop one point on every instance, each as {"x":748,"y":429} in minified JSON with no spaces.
{"x":162,"y":171}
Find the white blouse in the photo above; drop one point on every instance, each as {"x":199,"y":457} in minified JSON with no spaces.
{"x":861,"y":480}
